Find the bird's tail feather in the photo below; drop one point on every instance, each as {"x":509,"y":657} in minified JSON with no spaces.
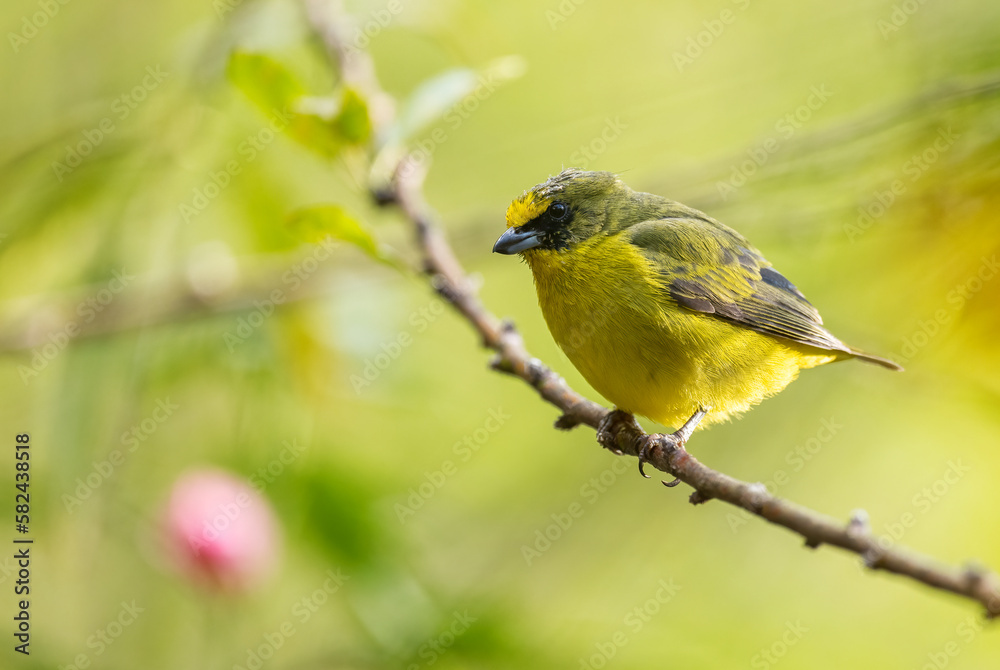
{"x":877,"y":360}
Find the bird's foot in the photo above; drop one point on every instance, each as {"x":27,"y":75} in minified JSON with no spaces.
{"x":675,"y":440}
{"x":651,"y":442}
{"x":611,"y":426}
{"x":683,"y":434}
{"x":614,"y":422}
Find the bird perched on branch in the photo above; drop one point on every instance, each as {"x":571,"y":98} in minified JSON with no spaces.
{"x":665,"y":311}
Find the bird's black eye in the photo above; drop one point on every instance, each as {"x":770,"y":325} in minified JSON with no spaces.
{"x":558,"y":211}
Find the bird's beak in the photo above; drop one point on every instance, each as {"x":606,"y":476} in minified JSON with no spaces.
{"x":516,"y":240}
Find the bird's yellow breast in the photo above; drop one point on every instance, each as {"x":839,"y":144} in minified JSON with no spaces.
{"x":605,"y":307}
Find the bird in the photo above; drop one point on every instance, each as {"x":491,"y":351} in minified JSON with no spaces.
{"x":666,"y":312}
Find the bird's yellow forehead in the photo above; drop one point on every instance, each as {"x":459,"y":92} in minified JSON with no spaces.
{"x":526,"y":208}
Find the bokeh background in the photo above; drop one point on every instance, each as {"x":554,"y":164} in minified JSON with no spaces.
{"x":856,"y":143}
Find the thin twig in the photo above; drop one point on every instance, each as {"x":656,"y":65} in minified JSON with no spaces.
{"x":450,"y":281}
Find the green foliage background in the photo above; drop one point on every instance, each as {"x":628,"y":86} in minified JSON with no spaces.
{"x":914,"y":283}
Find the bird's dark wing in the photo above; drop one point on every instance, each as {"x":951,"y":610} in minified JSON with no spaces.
{"x":709,"y":268}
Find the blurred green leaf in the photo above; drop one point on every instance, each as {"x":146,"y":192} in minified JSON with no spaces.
{"x":433,"y":98}
{"x":314,"y":132}
{"x":264,"y":80}
{"x":430,"y":101}
{"x":353,"y":122}
{"x":313,"y":224}
{"x":322,"y":124}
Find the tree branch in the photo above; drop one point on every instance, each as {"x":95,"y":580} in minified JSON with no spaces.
{"x":450,"y":281}
{"x":34,"y":322}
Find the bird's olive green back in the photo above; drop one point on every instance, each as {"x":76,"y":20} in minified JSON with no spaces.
{"x":709,"y":268}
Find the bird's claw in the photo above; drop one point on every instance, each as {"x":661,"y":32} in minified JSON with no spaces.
{"x":643,"y":456}
{"x":648,"y":445}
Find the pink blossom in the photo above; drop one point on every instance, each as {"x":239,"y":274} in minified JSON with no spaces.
{"x":221,"y":532}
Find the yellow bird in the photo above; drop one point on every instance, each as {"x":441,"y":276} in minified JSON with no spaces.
{"x":666,"y":312}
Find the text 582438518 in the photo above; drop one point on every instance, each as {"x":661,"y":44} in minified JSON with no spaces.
{"x":22,"y":550}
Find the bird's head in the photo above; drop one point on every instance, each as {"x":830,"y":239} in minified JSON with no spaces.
{"x":559,"y":213}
